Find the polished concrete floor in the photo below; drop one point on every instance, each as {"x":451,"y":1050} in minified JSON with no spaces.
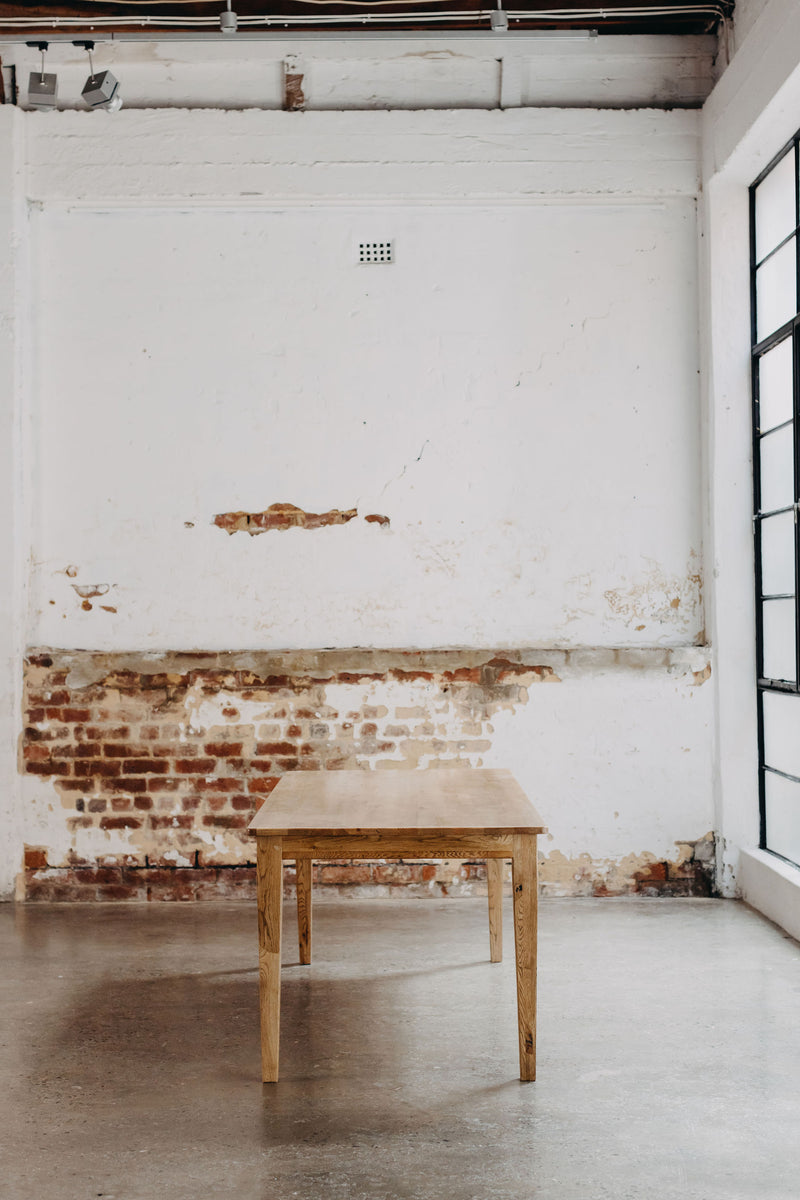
{"x":669,"y":1056}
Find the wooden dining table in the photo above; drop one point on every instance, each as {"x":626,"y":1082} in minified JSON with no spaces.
{"x":392,"y":814}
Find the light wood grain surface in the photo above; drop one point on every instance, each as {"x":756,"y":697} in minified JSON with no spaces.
{"x":425,"y":802}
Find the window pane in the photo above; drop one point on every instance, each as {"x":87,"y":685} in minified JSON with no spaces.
{"x":779,"y":651}
{"x":777,"y":555}
{"x":775,"y":211}
{"x":783,"y":816}
{"x":777,"y":469}
{"x":776,"y":291}
{"x":775,"y":385}
{"x":782,"y":732}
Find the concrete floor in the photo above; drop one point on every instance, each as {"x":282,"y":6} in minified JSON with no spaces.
{"x":669,"y":1056}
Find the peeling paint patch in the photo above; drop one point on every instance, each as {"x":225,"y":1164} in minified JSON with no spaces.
{"x":377,"y":519}
{"x":690,"y":873}
{"x":657,"y":597}
{"x":293,"y":95}
{"x":138,"y":763}
{"x":87,"y":590}
{"x":281,"y":516}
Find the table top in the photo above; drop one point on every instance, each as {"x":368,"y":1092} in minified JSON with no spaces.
{"x":458,"y":801}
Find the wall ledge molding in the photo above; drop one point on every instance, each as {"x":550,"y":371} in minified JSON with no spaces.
{"x":772,"y":886}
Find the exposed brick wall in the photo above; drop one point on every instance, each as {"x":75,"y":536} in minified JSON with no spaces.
{"x":171,"y":764}
{"x":147,"y":769}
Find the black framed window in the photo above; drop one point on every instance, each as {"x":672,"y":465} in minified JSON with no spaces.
{"x":775,"y":309}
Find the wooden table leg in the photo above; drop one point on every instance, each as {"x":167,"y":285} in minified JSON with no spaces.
{"x":303,"y":872}
{"x":525,"y":883}
{"x":269,"y":874}
{"x":494,"y":877}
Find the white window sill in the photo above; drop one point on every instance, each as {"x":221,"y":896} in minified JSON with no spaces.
{"x":772,"y":886}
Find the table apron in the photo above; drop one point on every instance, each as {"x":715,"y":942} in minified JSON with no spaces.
{"x":395,"y":846}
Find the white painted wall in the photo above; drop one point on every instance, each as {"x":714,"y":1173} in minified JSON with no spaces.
{"x":752,"y":112}
{"x":13,"y":540}
{"x":745,"y":15}
{"x":440,"y":72}
{"x":518,"y":393}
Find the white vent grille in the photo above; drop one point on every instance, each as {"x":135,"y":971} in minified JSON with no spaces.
{"x":375,"y":252}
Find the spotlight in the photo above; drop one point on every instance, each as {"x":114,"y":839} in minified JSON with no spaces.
{"x":499,"y":19}
{"x":100,"y":91}
{"x":228,"y":20}
{"x":42,"y":89}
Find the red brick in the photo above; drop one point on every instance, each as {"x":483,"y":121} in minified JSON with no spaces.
{"x":46,"y":735}
{"x":90,"y":875}
{"x":36,"y":752}
{"x":145,"y":766}
{"x":143,"y":802}
{"x":35,"y":715}
{"x":97,"y":766}
{"x":97,"y":805}
{"x":35,"y":858}
{"x":189,"y":803}
{"x":352,"y":873}
{"x":184,"y":750}
{"x":111,"y":731}
{"x":195,"y":766}
{"x":74,"y":823}
{"x":294,"y":731}
{"x":226,"y":821}
{"x":655,"y":872}
{"x":161,"y":784}
{"x":120,"y":803}
{"x":224,"y":749}
{"x":74,"y":714}
{"x":261,"y":764}
{"x":118,"y":891}
{"x":120,"y":823}
{"x":179,"y":821}
{"x":219,"y":785}
{"x":55,"y":891}
{"x":123,"y":750}
{"x":88,"y":750}
{"x":126,"y":784}
{"x":242,"y":802}
{"x":262,"y":786}
{"x":276,"y":748}
{"x":49,"y":768}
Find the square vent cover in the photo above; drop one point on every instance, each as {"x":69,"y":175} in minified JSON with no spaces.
{"x":375,"y":252}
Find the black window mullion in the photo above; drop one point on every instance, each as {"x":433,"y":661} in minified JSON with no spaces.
{"x":796,"y":398}
{"x":791,"y":329}
{"x":762,"y":781}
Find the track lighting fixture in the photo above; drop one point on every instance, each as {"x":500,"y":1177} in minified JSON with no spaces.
{"x":42,"y":88}
{"x":228,"y":20}
{"x":102,"y":90}
{"x":499,"y":19}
